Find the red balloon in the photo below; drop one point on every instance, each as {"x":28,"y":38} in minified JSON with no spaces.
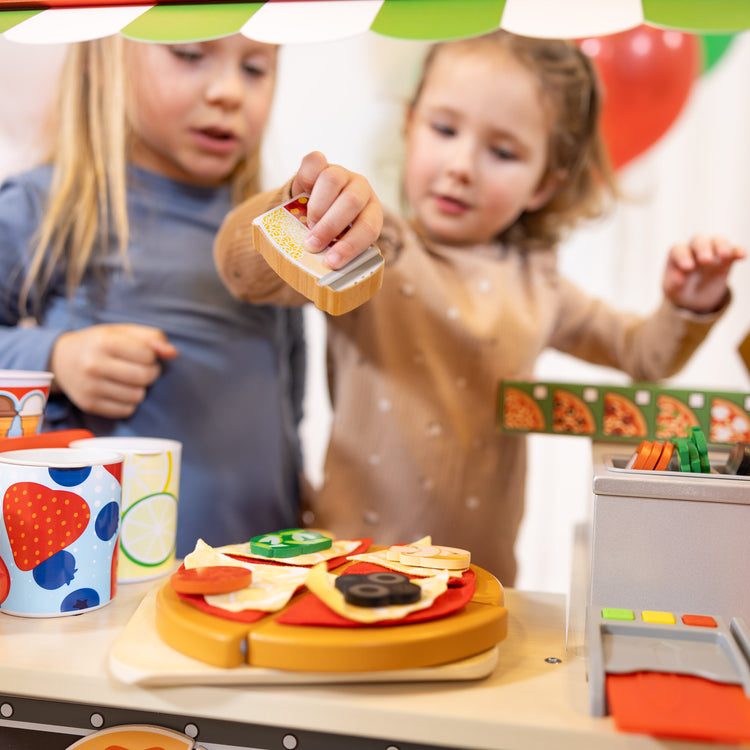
{"x":647,"y":74}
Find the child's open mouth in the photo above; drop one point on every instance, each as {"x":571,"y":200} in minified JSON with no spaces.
{"x":219,"y":140}
{"x":450,"y":205}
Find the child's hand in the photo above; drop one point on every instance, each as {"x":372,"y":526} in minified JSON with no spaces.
{"x":696,"y":274}
{"x":106,"y":369}
{"x":338,"y":198}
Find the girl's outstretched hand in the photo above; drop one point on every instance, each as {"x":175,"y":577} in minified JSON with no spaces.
{"x":696,"y":274}
{"x":338,"y":198}
{"x":106,"y":369}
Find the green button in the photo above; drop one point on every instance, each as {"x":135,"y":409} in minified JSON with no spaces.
{"x":613,"y":613}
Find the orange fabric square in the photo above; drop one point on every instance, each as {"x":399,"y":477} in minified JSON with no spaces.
{"x":679,"y":706}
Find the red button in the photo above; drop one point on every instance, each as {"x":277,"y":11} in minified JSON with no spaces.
{"x":700,"y":621}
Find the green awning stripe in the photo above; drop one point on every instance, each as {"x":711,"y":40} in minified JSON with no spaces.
{"x":184,"y":23}
{"x":10,"y":18}
{"x":437,"y":19}
{"x":708,"y":16}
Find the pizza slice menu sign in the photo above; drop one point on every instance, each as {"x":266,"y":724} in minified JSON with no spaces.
{"x":623,"y":413}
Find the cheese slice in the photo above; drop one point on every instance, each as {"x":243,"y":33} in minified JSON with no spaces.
{"x":323,"y":585}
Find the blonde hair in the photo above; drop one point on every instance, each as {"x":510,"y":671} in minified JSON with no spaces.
{"x":89,"y":156}
{"x":572,"y":93}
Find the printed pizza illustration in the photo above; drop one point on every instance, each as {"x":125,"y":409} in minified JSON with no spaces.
{"x":729,"y":422}
{"x":348,"y":607}
{"x":520,"y":411}
{"x":570,"y":414}
{"x":623,"y":417}
{"x":134,"y":737}
{"x":674,"y":417}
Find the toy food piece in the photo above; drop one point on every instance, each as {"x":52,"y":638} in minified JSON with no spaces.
{"x":211,"y":579}
{"x":646,"y":455}
{"x":477,"y":626}
{"x":377,"y":589}
{"x":739,"y":460}
{"x":289,"y":543}
{"x":279,"y":236}
{"x":697,"y":436}
{"x":430,"y":556}
{"x":666,"y":456}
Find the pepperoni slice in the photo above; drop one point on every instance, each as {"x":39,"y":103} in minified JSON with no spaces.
{"x":211,"y":579}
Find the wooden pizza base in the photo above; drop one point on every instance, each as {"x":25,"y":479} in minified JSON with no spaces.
{"x":140,"y":657}
{"x":475,"y":628}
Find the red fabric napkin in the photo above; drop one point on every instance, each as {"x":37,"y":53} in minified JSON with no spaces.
{"x":309,"y":610}
{"x":55,"y":439}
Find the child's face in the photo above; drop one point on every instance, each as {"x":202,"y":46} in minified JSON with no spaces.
{"x":197,"y":109}
{"x":476,"y":146}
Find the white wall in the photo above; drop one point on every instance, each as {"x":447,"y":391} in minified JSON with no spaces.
{"x":347,"y":99}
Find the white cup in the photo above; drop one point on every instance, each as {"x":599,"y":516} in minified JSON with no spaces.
{"x":58,"y":538}
{"x":23,"y":398}
{"x":150,"y":490}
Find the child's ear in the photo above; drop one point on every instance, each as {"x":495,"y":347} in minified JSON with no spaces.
{"x":546,"y":189}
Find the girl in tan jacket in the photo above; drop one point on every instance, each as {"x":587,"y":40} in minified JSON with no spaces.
{"x":504,"y":157}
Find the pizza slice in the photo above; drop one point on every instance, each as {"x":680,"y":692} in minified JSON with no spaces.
{"x":570,"y":414}
{"x":674,"y":417}
{"x":729,"y":422}
{"x":623,"y":417}
{"x":520,"y":411}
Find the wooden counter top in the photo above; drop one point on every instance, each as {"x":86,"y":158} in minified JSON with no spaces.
{"x":527,"y":702}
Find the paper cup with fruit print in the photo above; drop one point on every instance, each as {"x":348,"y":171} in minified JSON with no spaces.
{"x":59,"y":531}
{"x":150,"y":489}
{"x":23,"y":396}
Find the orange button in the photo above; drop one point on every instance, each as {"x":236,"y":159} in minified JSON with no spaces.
{"x":700,"y":621}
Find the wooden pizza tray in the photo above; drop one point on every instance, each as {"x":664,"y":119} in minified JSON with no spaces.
{"x":140,"y":657}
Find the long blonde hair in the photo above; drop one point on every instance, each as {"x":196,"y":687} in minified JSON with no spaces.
{"x":572,"y":93}
{"x":89,"y":155}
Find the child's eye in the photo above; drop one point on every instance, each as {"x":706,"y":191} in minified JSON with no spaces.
{"x":255,"y":70}
{"x":189,"y":54}
{"x":443,"y":129}
{"x":503,"y":153}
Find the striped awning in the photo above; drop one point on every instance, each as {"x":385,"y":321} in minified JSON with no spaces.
{"x":296,"y":21}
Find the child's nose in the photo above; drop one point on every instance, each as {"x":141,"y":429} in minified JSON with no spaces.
{"x":461,"y":159}
{"x":225,"y":87}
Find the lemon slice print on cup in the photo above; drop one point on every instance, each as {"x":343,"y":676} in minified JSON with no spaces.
{"x":148,"y":529}
{"x":148,"y":473}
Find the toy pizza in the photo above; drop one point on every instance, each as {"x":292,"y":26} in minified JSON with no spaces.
{"x":520,"y":411}
{"x":345,"y":607}
{"x":279,"y":235}
{"x":623,"y":417}
{"x":570,"y":414}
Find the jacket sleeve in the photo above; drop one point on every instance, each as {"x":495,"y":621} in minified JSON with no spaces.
{"x":25,"y":343}
{"x":647,"y":348}
{"x":241,"y":267}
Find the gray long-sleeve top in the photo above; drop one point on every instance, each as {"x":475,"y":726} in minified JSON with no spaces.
{"x":233,"y":395}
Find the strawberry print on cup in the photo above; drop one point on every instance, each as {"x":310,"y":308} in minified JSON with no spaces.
{"x":59,"y":530}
